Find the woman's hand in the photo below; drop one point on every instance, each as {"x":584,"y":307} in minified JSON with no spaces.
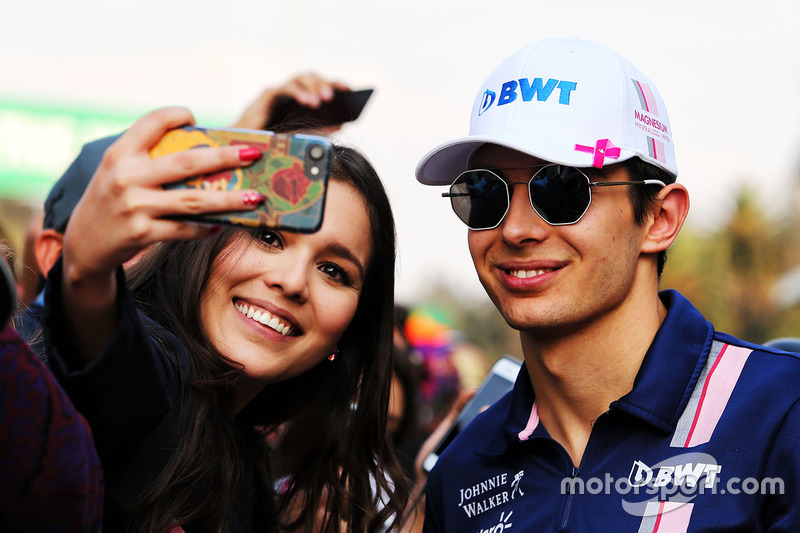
{"x":123,"y":211}
{"x":123,"y":208}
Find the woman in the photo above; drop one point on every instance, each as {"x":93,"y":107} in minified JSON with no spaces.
{"x":180,"y":396}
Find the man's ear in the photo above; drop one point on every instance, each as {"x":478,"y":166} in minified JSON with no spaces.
{"x":47,"y":248}
{"x":668,"y":216}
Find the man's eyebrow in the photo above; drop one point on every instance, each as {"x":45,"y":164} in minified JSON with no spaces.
{"x":477,"y":167}
{"x":524,"y":166}
{"x":593,"y":172}
{"x":588,"y":171}
{"x":345,"y":253}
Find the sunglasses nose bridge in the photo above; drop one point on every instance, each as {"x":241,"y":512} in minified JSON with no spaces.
{"x":523,"y":199}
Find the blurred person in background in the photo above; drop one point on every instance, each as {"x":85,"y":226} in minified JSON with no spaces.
{"x":50,"y":475}
{"x":24,"y":276}
{"x":9,"y":257}
{"x":403,"y":423}
{"x":8,"y":290}
{"x":30,"y":280}
{"x":428,"y":330}
{"x":45,"y":240}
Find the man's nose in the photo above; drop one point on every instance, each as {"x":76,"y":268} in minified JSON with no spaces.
{"x":522,"y":222}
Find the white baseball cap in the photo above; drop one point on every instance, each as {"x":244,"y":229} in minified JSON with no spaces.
{"x":565,"y":101}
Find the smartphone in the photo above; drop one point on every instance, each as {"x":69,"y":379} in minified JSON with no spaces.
{"x":289,"y":114}
{"x":292,"y":173}
{"x":499,"y":381}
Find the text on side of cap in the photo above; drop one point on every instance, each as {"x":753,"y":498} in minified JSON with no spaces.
{"x":647,"y":120}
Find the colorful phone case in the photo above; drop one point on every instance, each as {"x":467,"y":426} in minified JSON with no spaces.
{"x":292,"y":173}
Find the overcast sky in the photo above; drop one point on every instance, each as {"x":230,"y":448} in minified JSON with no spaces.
{"x":729,"y":73}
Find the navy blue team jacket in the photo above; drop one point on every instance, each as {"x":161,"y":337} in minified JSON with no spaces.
{"x":707,"y":440}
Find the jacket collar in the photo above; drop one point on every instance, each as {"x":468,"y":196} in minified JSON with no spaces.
{"x":672,"y":365}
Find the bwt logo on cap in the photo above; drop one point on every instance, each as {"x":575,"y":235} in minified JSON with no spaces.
{"x":542,"y":91}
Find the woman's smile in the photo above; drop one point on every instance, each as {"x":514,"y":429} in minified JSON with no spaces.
{"x":262,"y":316}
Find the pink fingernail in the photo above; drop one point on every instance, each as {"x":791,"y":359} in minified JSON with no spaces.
{"x":249,"y":154}
{"x":251,"y":198}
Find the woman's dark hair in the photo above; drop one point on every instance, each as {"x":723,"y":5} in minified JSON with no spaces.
{"x":331,"y":471}
{"x":644,"y":198}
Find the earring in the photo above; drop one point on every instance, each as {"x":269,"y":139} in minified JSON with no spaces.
{"x":333,"y":354}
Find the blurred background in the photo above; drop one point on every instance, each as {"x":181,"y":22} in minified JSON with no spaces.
{"x":74,"y":71}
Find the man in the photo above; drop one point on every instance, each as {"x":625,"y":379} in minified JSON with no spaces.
{"x":58,"y":206}
{"x":631,"y":412}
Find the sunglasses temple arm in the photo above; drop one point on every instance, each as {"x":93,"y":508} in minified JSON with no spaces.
{"x":612,"y":183}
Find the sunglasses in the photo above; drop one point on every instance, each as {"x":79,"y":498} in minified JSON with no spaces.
{"x":559,"y":194}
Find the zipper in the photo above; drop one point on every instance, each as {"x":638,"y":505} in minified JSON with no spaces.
{"x":576,"y":472}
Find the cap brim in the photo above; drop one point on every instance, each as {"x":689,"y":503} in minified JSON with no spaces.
{"x":444,"y":163}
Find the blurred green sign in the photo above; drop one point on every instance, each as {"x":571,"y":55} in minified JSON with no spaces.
{"x":38,"y":142}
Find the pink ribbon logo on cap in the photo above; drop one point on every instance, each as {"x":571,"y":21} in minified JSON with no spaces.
{"x":602,"y":149}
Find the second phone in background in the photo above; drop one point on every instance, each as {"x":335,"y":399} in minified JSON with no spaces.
{"x":497,"y":383}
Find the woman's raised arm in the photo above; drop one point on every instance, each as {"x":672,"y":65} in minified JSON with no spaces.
{"x":123,"y":212}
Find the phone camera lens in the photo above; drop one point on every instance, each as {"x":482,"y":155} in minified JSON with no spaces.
{"x":316,"y":153}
